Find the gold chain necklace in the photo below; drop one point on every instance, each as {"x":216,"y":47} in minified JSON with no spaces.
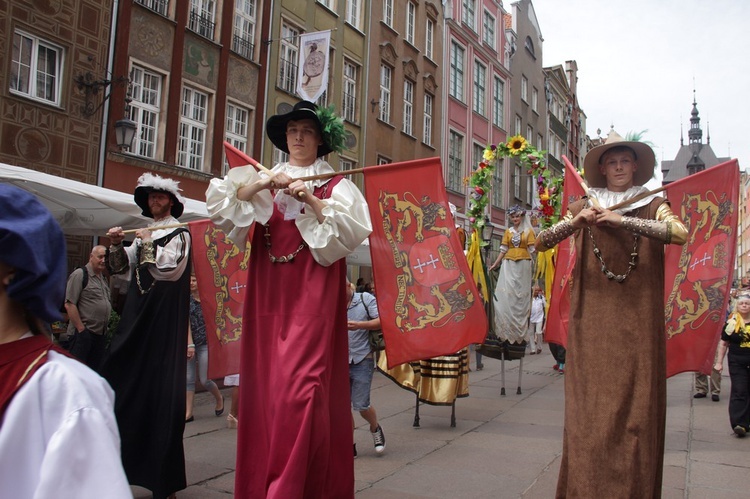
{"x":631,"y":265}
{"x":280,"y":259}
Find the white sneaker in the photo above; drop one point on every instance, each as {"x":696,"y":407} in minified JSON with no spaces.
{"x":378,"y":439}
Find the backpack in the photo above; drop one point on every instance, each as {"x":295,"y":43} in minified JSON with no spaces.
{"x":85,"y":279}
{"x":375,"y":336}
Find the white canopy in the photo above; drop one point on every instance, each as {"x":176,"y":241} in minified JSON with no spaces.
{"x":89,"y":210}
{"x":83,"y":209}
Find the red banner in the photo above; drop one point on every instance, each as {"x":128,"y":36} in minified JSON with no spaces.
{"x":221,"y":269}
{"x":428,"y":302}
{"x":556,"y":329}
{"x":699,"y":274}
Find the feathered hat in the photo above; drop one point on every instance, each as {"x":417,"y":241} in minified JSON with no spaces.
{"x":330,"y":126}
{"x":148,"y":183}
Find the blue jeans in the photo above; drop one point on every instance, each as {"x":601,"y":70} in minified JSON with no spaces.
{"x":360,"y":379}
{"x":201,"y":358}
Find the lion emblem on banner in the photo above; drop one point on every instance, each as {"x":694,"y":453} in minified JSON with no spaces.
{"x":697,"y":295}
{"x":432,"y":289}
{"x":229,"y":272}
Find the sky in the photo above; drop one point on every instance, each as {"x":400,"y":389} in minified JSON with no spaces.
{"x":639,"y":61}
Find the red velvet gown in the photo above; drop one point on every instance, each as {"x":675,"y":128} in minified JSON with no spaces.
{"x":295,"y":438}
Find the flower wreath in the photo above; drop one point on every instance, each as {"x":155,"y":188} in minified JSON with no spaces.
{"x":549,"y":186}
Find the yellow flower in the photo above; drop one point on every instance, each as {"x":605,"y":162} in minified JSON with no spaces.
{"x":489,"y":155}
{"x":545,"y":195}
{"x":516,"y":145}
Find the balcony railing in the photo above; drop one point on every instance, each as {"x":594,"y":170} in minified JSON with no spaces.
{"x":243,"y":47}
{"x":203,"y":25}
{"x":158,"y":6}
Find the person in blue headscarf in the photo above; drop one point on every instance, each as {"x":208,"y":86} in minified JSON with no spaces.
{"x":58,"y":434}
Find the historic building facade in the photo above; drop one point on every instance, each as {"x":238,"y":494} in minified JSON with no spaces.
{"x":476,"y":59}
{"x":194,"y":69}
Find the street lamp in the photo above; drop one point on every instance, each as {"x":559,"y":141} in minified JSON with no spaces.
{"x":125,"y":129}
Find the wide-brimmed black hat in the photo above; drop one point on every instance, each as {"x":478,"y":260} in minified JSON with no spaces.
{"x":303,"y":110}
{"x":644,"y":158}
{"x":148,"y":183}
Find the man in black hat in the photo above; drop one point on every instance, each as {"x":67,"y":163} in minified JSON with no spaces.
{"x":58,"y":436}
{"x":147,"y":357}
{"x":294,"y":435}
{"x":615,"y":374}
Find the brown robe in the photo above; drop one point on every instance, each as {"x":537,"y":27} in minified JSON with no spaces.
{"x":615,"y":375}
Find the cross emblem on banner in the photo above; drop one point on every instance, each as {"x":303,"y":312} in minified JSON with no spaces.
{"x":421,"y":264}
{"x":700,"y":261}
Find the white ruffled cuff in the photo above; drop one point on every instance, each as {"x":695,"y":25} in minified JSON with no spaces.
{"x":231,"y":214}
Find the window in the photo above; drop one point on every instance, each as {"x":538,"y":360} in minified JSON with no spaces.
{"x":236,"y":129}
{"x":529,"y":134}
{"x":244,"y":28}
{"x":488,"y":33}
{"x":497,"y":185}
{"x":145,"y":109}
{"x":498,"y":97}
{"x":517,"y":182}
{"x":158,"y":6}
{"x":193,"y":126}
{"x":428,"y":38}
{"x":202,"y":15}
{"x":457,"y":72}
{"x":529,"y":189}
{"x":288,"y":58}
{"x":330,"y":4}
{"x":524,"y":89}
{"x":529,"y":45}
{"x":279,"y":156}
{"x":411,"y":15}
{"x":385,"y":93}
{"x":36,"y":68}
{"x":349,"y":107}
{"x":534,"y":99}
{"x":478,"y":155}
{"x":539,"y":141}
{"x":428,"y":103}
{"x":345,"y":164}
{"x":408,"y":106}
{"x":353,"y":12}
{"x":382,"y":160}
{"x":480,"y":77}
{"x":455,"y":161}
{"x":388,"y":12}
{"x":469,"y":13}
{"x":517,"y":127}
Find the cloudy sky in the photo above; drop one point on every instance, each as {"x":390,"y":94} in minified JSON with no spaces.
{"x":639,"y":60}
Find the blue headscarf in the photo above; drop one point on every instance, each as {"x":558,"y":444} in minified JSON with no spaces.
{"x":32,"y":242}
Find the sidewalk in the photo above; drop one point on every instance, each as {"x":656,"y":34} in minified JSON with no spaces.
{"x":502,"y":446}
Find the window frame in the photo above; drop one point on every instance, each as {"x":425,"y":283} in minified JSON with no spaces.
{"x":288,"y":57}
{"x":456,"y":72}
{"x":38,"y":44}
{"x":193,"y":158}
{"x":386,"y":89}
{"x":498,"y":102}
{"x":480,"y":88}
{"x":455,"y":161}
{"x":140,"y":109}
{"x":427,"y":128}
{"x":408,"y":121}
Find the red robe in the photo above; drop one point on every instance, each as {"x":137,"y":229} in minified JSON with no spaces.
{"x":294,"y":436}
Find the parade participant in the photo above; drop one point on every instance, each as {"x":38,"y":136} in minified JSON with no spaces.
{"x":512,"y":299}
{"x":735,"y":339}
{"x":536,"y":319}
{"x":197,"y":354}
{"x":615,"y":376}
{"x":363,"y":316}
{"x":87,"y":301}
{"x":146,"y":362}
{"x":58,"y":436}
{"x":294,"y":437}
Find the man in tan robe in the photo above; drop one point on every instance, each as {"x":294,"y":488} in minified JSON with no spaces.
{"x":615,"y":378}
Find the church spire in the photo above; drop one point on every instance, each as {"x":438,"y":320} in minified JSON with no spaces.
{"x":695,"y":134}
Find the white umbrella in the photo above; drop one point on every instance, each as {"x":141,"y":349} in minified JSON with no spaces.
{"x":83,"y":209}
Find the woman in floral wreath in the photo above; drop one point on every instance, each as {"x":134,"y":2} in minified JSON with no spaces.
{"x":295,"y":437}
{"x":735,"y":339}
{"x":512,"y":299}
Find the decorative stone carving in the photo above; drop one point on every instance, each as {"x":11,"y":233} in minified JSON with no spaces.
{"x":388,"y":53}
{"x":411,"y":71}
